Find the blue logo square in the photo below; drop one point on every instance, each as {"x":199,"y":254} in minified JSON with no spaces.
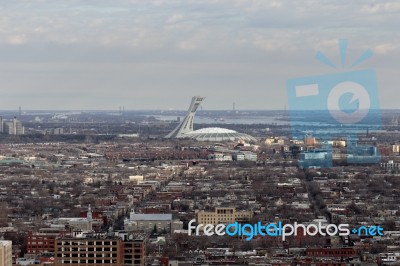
{"x":346,"y":103}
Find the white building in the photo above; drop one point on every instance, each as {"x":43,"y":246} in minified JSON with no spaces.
{"x":147,"y":222}
{"x":13,"y":127}
{"x":314,"y":155}
{"x":136,"y":178}
{"x":390,"y":165}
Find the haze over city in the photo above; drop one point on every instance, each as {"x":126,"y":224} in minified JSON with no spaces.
{"x":157,"y":54}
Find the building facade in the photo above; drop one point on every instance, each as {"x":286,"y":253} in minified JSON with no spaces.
{"x":13,"y":127}
{"x":5,"y":253}
{"x":121,"y":250}
{"x":44,"y":240}
{"x":134,"y":251}
{"x":223,"y":215}
{"x":346,"y":252}
{"x":88,"y":251}
{"x":148,"y":222}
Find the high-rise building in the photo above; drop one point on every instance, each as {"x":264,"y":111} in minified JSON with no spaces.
{"x":89,"y":217}
{"x":13,"y":127}
{"x":187,"y":123}
{"x":58,"y":131}
{"x":1,"y":124}
{"x":5,"y":253}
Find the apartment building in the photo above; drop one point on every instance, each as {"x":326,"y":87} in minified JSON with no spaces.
{"x":94,"y":251}
{"x":223,"y":215}
{"x":44,"y":240}
{"x":121,"y":250}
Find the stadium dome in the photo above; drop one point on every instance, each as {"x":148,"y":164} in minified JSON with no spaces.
{"x":218,"y":134}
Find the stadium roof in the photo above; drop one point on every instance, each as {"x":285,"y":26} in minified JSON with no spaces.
{"x":218,"y":134}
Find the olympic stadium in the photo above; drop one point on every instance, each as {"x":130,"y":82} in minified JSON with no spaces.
{"x":185,"y":129}
{"x":219,"y":134}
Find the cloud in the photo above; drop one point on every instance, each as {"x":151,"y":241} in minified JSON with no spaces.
{"x":15,"y":39}
{"x":385,"y":48}
{"x":189,"y":45}
{"x":383,"y":7}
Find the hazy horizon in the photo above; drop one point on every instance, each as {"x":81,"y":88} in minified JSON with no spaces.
{"x":172,"y":110}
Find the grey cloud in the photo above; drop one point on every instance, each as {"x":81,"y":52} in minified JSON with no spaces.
{"x":156,"y":54}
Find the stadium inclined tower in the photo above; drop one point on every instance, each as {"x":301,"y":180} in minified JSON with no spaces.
{"x":186,"y":125}
{"x":185,"y":129}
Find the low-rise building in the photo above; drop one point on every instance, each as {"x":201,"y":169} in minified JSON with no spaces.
{"x":148,"y":222}
{"x":43,"y":240}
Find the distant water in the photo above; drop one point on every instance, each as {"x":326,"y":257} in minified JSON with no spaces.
{"x":242,"y":120}
{"x":297,"y":119}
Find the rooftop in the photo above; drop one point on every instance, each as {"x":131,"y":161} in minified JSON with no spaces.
{"x":218,"y":134}
{"x":151,"y":217}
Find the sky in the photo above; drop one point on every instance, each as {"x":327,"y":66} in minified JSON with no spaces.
{"x":157,"y":54}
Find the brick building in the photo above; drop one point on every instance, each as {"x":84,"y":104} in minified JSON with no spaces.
{"x":44,"y":240}
{"x":121,"y":250}
{"x":345,"y":252}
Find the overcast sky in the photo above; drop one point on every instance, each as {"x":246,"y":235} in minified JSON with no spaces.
{"x":102,"y":54}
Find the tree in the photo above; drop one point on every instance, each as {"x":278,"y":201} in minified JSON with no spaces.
{"x":378,"y":248}
{"x":389,"y":225}
{"x":155,"y":231}
{"x":3,"y":214}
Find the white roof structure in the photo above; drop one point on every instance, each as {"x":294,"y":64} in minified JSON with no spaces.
{"x":218,"y":134}
{"x":185,"y":128}
{"x":150,"y":217}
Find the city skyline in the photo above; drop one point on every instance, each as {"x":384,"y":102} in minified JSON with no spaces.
{"x":154,"y":55}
